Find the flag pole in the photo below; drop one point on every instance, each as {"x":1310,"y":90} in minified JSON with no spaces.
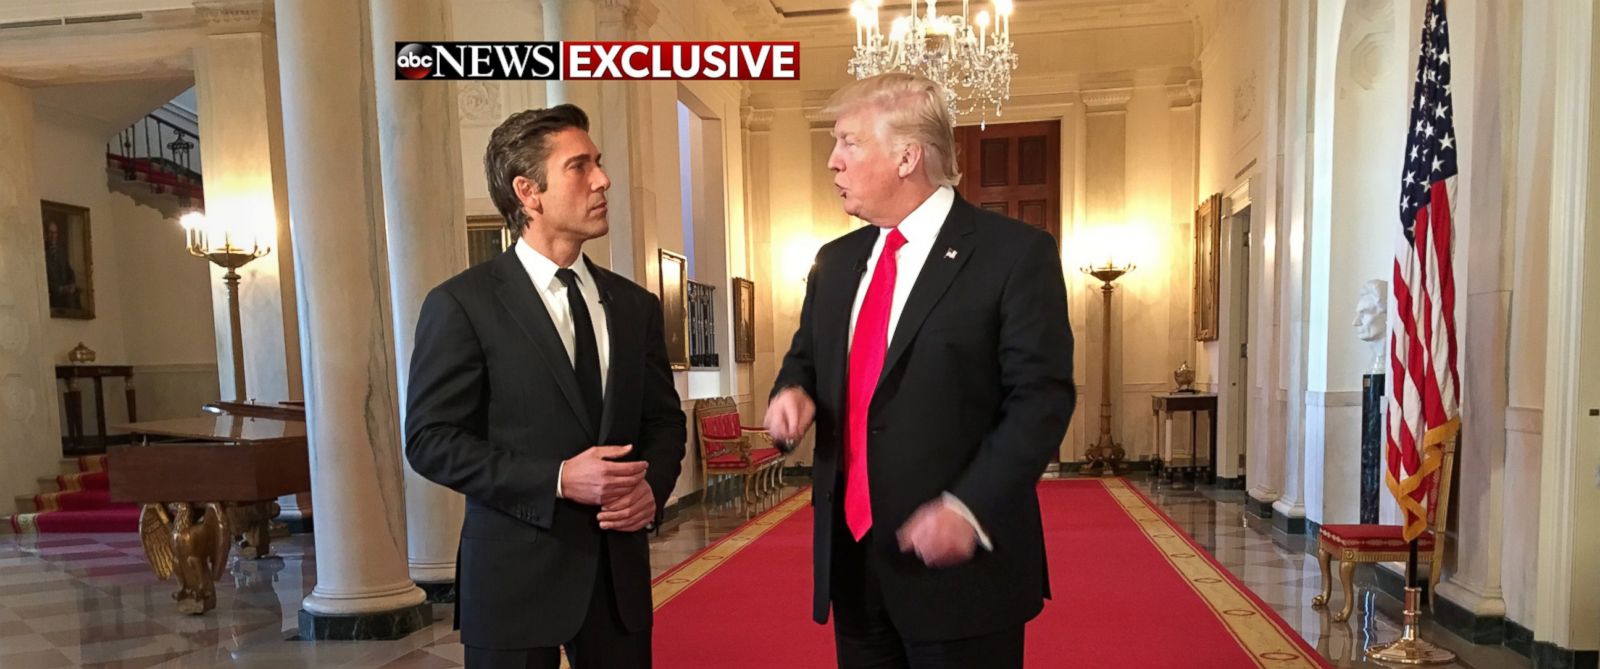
{"x":1410,"y":648}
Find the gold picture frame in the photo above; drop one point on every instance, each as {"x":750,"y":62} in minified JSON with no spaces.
{"x":744,"y":320}
{"x":675,"y":307}
{"x":68,"y":259}
{"x":1207,"y":267}
{"x":487,"y":237}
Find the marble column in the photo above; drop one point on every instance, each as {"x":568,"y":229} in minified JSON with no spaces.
{"x":1568,"y":615}
{"x":423,"y":213}
{"x":575,"y":20}
{"x":363,"y":588}
{"x":1472,"y":600}
{"x":236,"y":86}
{"x":30,"y":445}
{"x":630,"y":150}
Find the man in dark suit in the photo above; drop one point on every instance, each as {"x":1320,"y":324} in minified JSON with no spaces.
{"x":935,"y":356}
{"x":525,"y":367}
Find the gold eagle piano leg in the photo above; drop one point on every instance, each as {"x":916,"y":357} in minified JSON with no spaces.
{"x":190,"y":541}
{"x":251,"y":523}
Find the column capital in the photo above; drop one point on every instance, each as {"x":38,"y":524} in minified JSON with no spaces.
{"x":1107,"y":99}
{"x":756,"y":119}
{"x":1185,"y":94}
{"x":635,"y":16}
{"x":221,"y":17}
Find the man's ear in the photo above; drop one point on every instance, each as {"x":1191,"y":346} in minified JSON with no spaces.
{"x":528,"y":194}
{"x":908,"y":159}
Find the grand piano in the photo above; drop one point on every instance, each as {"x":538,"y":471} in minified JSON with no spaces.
{"x":209,"y":483}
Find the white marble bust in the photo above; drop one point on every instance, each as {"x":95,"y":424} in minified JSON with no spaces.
{"x":1372,"y":319}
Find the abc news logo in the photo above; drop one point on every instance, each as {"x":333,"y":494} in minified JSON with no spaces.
{"x":536,"y":61}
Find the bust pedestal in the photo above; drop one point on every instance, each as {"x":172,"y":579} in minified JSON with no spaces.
{"x":1371,"y":444}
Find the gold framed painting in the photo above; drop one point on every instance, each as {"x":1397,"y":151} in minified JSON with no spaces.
{"x":68,"y":260}
{"x":744,"y":320}
{"x":674,"y":307}
{"x":487,"y":237}
{"x":1207,"y":267}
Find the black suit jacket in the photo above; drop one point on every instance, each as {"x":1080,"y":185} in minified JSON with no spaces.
{"x":493,"y":408}
{"x":974,"y":399}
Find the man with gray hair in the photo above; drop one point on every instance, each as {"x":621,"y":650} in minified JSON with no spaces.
{"x":935,"y":357}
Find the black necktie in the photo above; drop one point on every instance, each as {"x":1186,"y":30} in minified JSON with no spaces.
{"x":586,"y":352}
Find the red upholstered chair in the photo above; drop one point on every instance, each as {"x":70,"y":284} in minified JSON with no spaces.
{"x":728,"y":448}
{"x":1353,"y":544}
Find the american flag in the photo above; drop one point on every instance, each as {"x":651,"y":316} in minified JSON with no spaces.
{"x":1424,"y":396}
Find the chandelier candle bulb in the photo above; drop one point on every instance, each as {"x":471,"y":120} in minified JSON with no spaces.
{"x":953,"y":50}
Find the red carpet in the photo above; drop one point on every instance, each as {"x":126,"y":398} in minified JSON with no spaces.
{"x":82,"y":505}
{"x":1132,"y":591}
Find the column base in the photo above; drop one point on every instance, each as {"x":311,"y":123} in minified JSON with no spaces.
{"x":377,"y":626}
{"x":1226,"y":483}
{"x":303,"y":525}
{"x":1288,"y":518}
{"x":443,"y":592}
{"x":1258,"y":508}
{"x":1471,"y":616}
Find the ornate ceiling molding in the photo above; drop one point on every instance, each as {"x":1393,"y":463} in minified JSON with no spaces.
{"x":233,"y":16}
{"x":1107,"y":99}
{"x":756,"y":119}
{"x":635,"y":16}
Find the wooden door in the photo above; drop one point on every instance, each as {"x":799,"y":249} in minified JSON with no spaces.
{"x":1014,"y":169}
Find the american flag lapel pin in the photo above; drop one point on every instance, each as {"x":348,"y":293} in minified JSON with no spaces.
{"x":949,"y":254}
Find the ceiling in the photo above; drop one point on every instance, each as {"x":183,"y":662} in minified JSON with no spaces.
{"x":112,"y":105}
{"x":825,"y":19}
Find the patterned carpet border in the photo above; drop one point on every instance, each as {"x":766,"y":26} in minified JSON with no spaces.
{"x":1252,"y":623}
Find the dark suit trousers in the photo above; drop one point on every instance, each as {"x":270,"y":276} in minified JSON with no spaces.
{"x":865,"y":637}
{"x":601,"y":642}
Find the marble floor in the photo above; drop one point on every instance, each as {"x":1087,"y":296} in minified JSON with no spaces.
{"x":91,"y":600}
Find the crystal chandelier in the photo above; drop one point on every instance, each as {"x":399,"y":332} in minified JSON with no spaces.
{"x":972,"y":62}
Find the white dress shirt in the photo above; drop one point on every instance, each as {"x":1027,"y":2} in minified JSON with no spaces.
{"x":921,"y":229}
{"x":542,"y":272}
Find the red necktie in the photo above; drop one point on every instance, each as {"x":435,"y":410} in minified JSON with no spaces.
{"x":867,"y":349}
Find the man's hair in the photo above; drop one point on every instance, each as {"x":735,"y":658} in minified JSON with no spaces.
{"x":912,"y":109}
{"x":519,"y":147}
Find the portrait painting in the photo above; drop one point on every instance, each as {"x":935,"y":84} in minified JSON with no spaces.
{"x":68,"y":260}
{"x":1207,"y":272}
{"x":674,"y":307}
{"x":744,"y":320}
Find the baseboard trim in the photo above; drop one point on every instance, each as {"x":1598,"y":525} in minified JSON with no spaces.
{"x":1547,"y":655}
{"x":1287,"y":525}
{"x":1476,"y":628}
{"x":1518,"y":638}
{"x":439,"y":593}
{"x":1258,"y":508}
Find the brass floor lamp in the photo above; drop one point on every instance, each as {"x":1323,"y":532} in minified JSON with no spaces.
{"x":230,"y":249}
{"x":1106,"y":456}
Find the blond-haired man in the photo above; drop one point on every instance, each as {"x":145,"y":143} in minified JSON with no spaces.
{"x":935,"y":357}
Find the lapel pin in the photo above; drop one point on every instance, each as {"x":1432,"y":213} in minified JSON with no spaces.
{"x":949,"y":254}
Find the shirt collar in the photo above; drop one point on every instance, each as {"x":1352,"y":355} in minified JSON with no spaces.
{"x":542,"y":270}
{"x":923,"y":224}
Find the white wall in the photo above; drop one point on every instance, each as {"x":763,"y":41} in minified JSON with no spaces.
{"x":1353,"y":245}
{"x":69,"y":159}
{"x":152,"y":304}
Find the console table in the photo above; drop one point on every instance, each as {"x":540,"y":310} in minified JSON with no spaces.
{"x":1163,"y":406}
{"x":76,"y":443}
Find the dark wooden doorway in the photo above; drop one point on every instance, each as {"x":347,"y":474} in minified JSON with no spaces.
{"x":1014,"y":169}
